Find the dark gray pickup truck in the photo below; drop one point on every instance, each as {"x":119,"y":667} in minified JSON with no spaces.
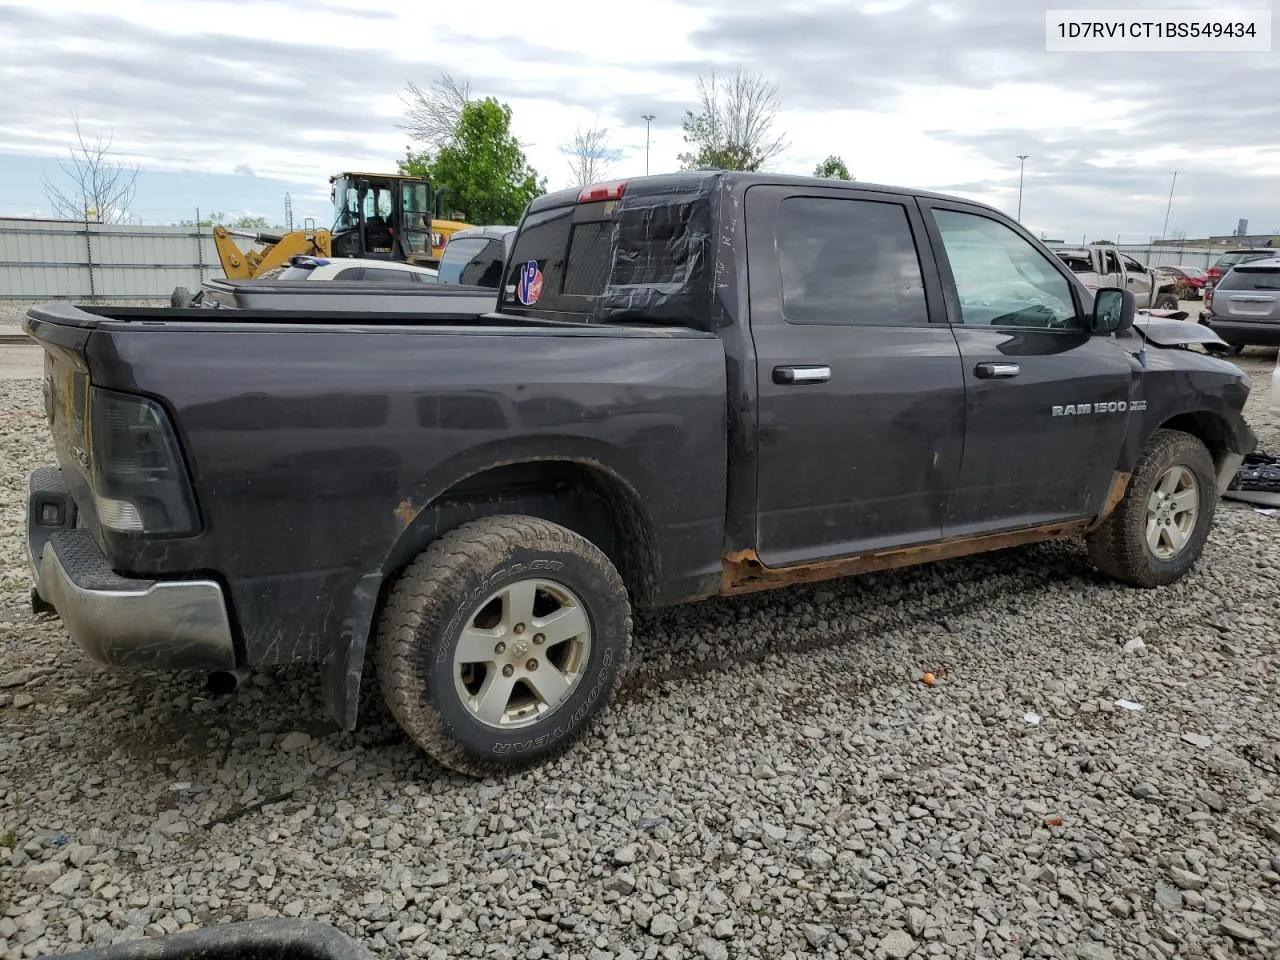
{"x":693,"y":384}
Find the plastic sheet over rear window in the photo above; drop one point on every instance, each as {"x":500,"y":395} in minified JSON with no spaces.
{"x":661,"y":259}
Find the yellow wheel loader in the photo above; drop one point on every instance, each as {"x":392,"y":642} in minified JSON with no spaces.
{"x":379,"y":216}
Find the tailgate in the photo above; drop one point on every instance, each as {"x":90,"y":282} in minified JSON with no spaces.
{"x":63,"y":331}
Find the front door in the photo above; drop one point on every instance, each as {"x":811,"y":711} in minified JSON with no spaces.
{"x":1046,"y":401}
{"x":1138,"y":281}
{"x":861,"y":395}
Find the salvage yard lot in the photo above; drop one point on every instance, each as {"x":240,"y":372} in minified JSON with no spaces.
{"x":775,"y":779}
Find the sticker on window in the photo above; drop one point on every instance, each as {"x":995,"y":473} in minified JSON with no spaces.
{"x":530,"y":286}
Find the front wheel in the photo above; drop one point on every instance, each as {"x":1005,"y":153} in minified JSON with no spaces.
{"x":1166,"y":301}
{"x":1158,"y":530}
{"x":502,"y":642}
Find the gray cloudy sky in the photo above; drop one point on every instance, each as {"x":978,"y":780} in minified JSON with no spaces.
{"x":940,"y":95}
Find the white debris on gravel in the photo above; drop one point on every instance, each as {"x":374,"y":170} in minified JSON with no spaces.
{"x":774,"y":781}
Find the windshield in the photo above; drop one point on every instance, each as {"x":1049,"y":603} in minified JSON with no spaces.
{"x":346,"y":206}
{"x":415,"y":218}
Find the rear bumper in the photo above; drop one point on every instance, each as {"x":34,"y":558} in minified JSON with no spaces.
{"x":119,"y":621}
{"x":1244,"y":332}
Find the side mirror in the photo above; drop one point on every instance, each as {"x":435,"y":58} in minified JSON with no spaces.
{"x":1113,"y":310}
{"x":441,"y":193}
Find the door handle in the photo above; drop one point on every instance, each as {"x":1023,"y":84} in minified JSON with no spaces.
{"x":811,"y":373}
{"x":997,"y":371}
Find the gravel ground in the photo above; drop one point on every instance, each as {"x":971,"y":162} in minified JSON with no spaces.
{"x":775,"y":780}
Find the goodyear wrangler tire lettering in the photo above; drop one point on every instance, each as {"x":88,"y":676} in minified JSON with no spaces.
{"x":431,"y":662}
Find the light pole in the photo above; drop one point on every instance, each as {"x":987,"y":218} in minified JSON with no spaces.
{"x":1165,"y":232}
{"x":648,"y":119}
{"x":1022,"y":162}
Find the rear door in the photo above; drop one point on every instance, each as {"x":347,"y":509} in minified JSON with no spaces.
{"x":860,"y":391}
{"x":1046,"y":401}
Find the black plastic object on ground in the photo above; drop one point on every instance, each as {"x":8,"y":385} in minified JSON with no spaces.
{"x":1257,"y":480}
{"x":272,"y":939}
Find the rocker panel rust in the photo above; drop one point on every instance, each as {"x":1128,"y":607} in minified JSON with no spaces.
{"x":742,"y":571}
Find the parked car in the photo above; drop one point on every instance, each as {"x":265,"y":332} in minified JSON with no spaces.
{"x":350,"y":269}
{"x":693,"y":384}
{"x":214,"y":292}
{"x":1101,"y":265}
{"x":1232,"y":257}
{"x":476,"y":256}
{"x":1190,"y":280}
{"x":1244,"y":308}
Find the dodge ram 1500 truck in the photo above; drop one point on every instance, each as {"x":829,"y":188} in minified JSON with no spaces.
{"x":692,"y":384}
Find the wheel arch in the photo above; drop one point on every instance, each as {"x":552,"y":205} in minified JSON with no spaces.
{"x":1209,"y":428}
{"x":577,"y":483}
{"x":584,"y":494}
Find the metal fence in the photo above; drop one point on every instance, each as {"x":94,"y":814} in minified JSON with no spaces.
{"x":66,"y":259}
{"x":1162,"y":255}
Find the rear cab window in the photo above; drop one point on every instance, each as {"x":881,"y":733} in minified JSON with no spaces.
{"x":641,"y":259}
{"x":1077,"y":261}
{"x":560,"y":262}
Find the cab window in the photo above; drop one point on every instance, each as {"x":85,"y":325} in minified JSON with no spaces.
{"x":1000,"y":278}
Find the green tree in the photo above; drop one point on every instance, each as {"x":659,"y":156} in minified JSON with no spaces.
{"x":733,"y":127}
{"x":242,"y":222}
{"x":832,"y":168}
{"x":483,"y":170}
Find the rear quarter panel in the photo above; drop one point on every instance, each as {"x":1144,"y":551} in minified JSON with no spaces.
{"x":312,"y":449}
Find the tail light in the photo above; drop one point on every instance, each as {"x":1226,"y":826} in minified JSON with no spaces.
{"x":1208,"y":298}
{"x":139,"y":480}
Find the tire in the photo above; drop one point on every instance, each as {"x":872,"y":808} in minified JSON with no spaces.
{"x":473,"y":579}
{"x":1120,"y":548}
{"x":181,"y":297}
{"x":1166,"y":301}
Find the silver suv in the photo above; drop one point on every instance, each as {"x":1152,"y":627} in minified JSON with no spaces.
{"x":1244,"y":307}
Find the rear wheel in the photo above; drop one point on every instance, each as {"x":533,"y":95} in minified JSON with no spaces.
{"x":1158,"y":530}
{"x":1167,"y":301}
{"x":502,"y":642}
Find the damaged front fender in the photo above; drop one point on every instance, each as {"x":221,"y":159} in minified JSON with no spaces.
{"x":1170,"y":329}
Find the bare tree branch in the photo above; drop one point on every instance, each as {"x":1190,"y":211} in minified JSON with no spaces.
{"x":590,"y":157}
{"x":733,"y":128}
{"x":431,"y":116}
{"x":100,"y":189}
